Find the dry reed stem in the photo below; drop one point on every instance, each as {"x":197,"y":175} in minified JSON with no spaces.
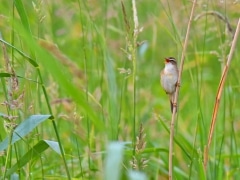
{"x":177,"y":92}
{"x":219,"y":94}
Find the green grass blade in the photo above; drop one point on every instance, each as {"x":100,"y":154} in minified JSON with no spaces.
{"x":22,"y":13}
{"x":114,"y":161}
{"x":34,"y":153}
{"x":4,"y":74}
{"x":53,"y":145}
{"x":28,"y":58}
{"x":23,"y":129}
{"x":136,"y":175}
{"x":112,"y":89}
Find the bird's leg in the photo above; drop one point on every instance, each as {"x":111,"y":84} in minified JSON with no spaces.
{"x":178,"y":84}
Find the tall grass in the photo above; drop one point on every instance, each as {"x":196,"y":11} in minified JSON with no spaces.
{"x":81,"y":97}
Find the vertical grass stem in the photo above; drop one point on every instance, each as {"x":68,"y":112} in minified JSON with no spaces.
{"x":177,"y":92}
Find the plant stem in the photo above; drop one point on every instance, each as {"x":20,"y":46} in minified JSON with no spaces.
{"x":177,"y":92}
{"x":219,"y":94}
{"x":133,"y":55}
{"x":53,"y":122}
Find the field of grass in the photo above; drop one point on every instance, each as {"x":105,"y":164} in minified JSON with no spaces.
{"x":81,"y":97}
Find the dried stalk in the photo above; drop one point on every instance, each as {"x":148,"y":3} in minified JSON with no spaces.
{"x":219,"y":94}
{"x":177,"y":92}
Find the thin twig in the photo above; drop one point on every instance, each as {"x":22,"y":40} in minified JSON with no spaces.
{"x":219,"y":94}
{"x":177,"y":92}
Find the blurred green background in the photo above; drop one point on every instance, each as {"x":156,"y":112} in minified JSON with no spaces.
{"x":82,"y":51}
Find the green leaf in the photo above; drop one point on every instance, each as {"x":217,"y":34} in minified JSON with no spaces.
{"x":112,"y":90}
{"x":34,"y":153}
{"x":22,"y":13}
{"x":5,"y":75}
{"x":136,"y":175}
{"x":114,"y":160}
{"x":54,"y":145}
{"x":23,"y":129}
{"x":28,"y":58}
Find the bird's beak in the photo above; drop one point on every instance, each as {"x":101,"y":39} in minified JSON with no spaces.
{"x":166,"y":60}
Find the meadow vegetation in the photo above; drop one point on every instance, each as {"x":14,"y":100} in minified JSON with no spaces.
{"x":81,"y":97}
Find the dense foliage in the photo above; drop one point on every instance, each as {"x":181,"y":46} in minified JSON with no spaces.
{"x":81,"y":97}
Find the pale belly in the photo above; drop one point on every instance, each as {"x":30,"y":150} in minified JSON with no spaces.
{"x":168,"y":83}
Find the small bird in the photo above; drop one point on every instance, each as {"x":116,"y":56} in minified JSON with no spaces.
{"x":169,"y":78}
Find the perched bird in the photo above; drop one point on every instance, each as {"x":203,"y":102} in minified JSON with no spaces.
{"x":169,"y":78}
